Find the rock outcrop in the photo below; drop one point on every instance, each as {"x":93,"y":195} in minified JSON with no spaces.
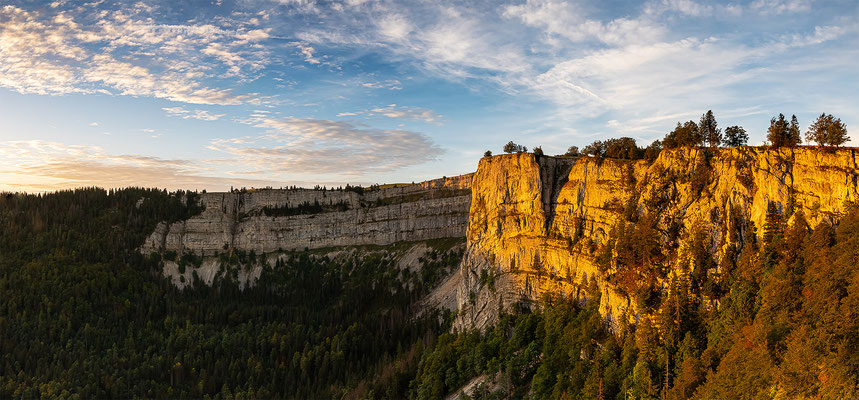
{"x":536,"y":223}
{"x":269,"y":220}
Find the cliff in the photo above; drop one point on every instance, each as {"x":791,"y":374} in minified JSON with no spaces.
{"x":270,"y":220}
{"x":537,"y":224}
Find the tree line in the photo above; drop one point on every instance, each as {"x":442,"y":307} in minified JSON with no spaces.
{"x":826,"y":130}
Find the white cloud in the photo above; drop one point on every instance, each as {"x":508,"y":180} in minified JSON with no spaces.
{"x":566,"y":20}
{"x":400,"y":112}
{"x":689,"y":7}
{"x":445,"y":40}
{"x":638,"y":68}
{"x":391,"y":84}
{"x":686,"y":7}
{"x":781,"y":6}
{"x":394,"y":27}
{"x":416,"y":113}
{"x":48,"y":52}
{"x":93,"y":124}
{"x":821,"y":34}
{"x":202,"y":115}
{"x":727,"y":10}
{"x":658,"y":78}
{"x":647,"y":85}
{"x":307,"y":52}
{"x":311,"y":147}
{"x":632,"y":65}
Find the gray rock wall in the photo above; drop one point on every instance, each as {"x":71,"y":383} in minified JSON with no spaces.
{"x":427,"y":210}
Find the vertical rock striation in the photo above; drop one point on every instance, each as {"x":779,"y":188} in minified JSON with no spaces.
{"x":536,"y":223}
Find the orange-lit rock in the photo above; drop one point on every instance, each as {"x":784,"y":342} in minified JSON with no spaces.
{"x":535,"y":221}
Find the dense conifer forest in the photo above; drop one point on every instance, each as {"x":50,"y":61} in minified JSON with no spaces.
{"x":84,"y":315}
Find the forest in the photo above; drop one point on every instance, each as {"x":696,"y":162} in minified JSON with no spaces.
{"x":84,"y":315}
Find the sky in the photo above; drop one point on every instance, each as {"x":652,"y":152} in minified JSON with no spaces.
{"x":253,"y":93}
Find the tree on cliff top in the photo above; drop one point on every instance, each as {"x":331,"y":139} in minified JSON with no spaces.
{"x":686,"y":135}
{"x":782,"y":133}
{"x":794,"y":136}
{"x":827,"y":130}
{"x":736,"y":136}
{"x":652,"y":151}
{"x":596,"y":149}
{"x":511,"y":147}
{"x":624,"y":148}
{"x":708,"y":131}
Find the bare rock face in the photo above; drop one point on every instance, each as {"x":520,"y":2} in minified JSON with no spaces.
{"x":272,"y":220}
{"x":536,"y":222}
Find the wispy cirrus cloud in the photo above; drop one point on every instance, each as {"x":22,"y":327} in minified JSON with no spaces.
{"x":586,"y":64}
{"x":445,"y":40}
{"x":663,"y":74}
{"x":567,"y":20}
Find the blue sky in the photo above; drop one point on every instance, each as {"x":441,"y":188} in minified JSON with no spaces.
{"x":213,"y":94}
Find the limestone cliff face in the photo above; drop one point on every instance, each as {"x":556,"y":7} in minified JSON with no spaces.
{"x":271,"y":220}
{"x":533,"y":225}
{"x":535,"y":222}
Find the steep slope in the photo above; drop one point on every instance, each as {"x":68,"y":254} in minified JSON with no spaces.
{"x":541,"y":224}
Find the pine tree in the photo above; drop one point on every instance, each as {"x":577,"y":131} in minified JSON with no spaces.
{"x":773,"y":224}
{"x":793,"y":135}
{"x":708,"y":131}
{"x":777,"y":134}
